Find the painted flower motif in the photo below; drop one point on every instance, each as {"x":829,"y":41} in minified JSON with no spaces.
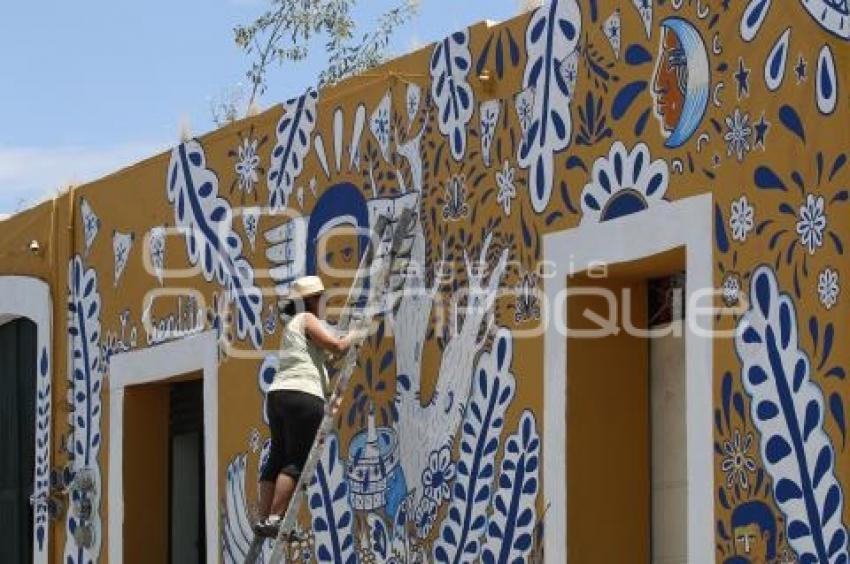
{"x":413,"y":98}
{"x":507,"y":188}
{"x":738,"y":134}
{"x":438,"y":474}
{"x":741,"y":219}
{"x":525,"y":108}
{"x":456,"y":206}
{"x":731,"y":288}
{"x":811,"y":223}
{"x":247,"y":165}
{"x":828,"y":288}
{"x":426,"y":514}
{"x":381,"y":125}
{"x":624,"y":183}
{"x":737,"y":463}
{"x":527,"y":299}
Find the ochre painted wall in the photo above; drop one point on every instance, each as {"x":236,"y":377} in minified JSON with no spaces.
{"x":631,"y":105}
{"x":146,"y":419}
{"x":608,"y":434}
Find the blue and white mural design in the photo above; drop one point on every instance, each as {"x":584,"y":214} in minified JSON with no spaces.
{"x":623,"y":183}
{"x":294,"y":133}
{"x":83,"y":530}
{"x":451,"y":91}
{"x":41,"y":482}
{"x":211,"y":243}
{"x":788,"y":409}
{"x":552,"y":36}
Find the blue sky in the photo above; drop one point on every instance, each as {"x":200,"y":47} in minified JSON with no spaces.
{"x":89,"y":87}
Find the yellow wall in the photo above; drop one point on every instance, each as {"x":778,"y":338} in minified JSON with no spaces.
{"x":790,"y":151}
{"x":608,"y":442}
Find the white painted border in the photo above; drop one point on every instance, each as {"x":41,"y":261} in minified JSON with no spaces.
{"x":23,"y":296}
{"x":154,"y":364}
{"x":683,"y":223}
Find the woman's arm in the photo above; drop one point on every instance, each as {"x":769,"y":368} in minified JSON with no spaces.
{"x":320,"y":335}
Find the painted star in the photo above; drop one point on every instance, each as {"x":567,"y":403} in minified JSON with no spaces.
{"x":742,"y":78}
{"x":715,"y":160}
{"x":761,"y":128}
{"x":726,"y":5}
{"x":800,"y":69}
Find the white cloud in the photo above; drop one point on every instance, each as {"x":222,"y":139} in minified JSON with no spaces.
{"x":31,"y":174}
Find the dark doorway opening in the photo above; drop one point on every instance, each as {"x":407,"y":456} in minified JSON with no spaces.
{"x":18,"y":353}
{"x":186,"y":515}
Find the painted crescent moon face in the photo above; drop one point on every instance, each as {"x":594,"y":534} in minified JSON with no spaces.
{"x":680,"y":85}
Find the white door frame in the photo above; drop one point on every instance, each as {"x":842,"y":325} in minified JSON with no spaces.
{"x":155,"y":364}
{"x":683,"y":223}
{"x":24,"y":296}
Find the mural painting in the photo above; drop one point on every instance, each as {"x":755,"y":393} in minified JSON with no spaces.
{"x":578,"y":113}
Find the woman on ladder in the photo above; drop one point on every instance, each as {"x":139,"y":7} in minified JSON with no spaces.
{"x":296,"y":399}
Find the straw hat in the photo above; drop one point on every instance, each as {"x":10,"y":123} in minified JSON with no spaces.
{"x":305,"y":287}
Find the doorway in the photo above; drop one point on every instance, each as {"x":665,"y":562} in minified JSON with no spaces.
{"x":626,"y":430}
{"x":164,"y":474}
{"x":18,"y":353}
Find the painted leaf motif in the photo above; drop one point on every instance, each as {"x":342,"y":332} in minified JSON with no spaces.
{"x":86,"y":383}
{"x":330,"y":509}
{"x":753,"y":17}
{"x":450,"y":66}
{"x":237,"y":534}
{"x":211,"y":242}
{"x":41,"y":485}
{"x":511,"y":530}
{"x":826,"y":82}
{"x":493,"y":391}
{"x":774,"y":66}
{"x":788,"y":409}
{"x":293,"y":143}
{"x":552,"y":36}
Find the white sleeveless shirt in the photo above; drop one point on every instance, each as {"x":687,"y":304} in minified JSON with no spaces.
{"x":302,"y":362}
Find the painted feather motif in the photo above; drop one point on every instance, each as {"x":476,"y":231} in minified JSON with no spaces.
{"x":237,"y":534}
{"x":454,"y":97}
{"x":293,"y":143}
{"x":211,"y":242}
{"x":493,"y":391}
{"x":86,"y":388}
{"x":511,"y":530}
{"x":552,"y":36}
{"x":788,"y":407}
{"x":41,"y":486}
{"x":330,"y":510}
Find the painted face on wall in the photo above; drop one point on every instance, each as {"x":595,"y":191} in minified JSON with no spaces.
{"x":670,"y":83}
{"x":337,"y":263}
{"x":681,"y":81}
{"x":751,"y":542}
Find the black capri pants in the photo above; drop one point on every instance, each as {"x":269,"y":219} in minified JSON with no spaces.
{"x":294,"y":419}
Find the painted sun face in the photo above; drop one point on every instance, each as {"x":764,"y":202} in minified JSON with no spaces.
{"x":670,"y":83}
{"x":338,"y":263}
